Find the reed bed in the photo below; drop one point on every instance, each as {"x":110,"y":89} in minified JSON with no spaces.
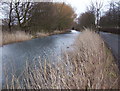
{"x":18,"y":36}
{"x":42,"y":34}
{"x":89,"y":66}
{"x":12,"y":37}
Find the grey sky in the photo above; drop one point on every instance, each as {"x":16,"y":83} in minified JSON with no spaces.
{"x":80,"y":5}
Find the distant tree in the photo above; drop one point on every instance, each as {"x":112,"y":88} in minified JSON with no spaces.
{"x":51,"y":16}
{"x":96,"y":8}
{"x":34,"y":16}
{"x":112,"y":16}
{"x":10,"y":15}
{"x":86,"y":20}
{"x":42,"y":16}
{"x":22,"y":13}
{"x":9,"y":20}
{"x":118,"y":13}
{"x":65,"y":16}
{"x":16,"y":13}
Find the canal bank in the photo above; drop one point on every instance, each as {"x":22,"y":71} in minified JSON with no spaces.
{"x":89,"y":65}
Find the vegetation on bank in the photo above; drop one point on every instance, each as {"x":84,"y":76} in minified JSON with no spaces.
{"x":35,"y":19}
{"x":92,"y":17}
{"x":19,"y":36}
{"x":90,"y":65}
{"x":44,"y":18}
{"x":12,"y":37}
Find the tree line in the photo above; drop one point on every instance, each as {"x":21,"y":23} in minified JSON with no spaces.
{"x":93,"y":17}
{"x":50,"y":16}
{"x":38,"y":16}
{"x":112,"y":16}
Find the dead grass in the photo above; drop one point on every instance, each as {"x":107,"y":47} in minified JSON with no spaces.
{"x":90,"y":66}
{"x":42,"y":34}
{"x":97,"y":60}
{"x":17,"y":36}
{"x":58,"y":32}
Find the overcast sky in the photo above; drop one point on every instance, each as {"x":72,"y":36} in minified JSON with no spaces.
{"x":80,"y":5}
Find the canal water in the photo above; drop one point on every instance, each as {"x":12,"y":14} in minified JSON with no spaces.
{"x":14,"y":56}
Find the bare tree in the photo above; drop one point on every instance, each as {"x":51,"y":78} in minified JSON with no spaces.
{"x":22,"y":13}
{"x":86,"y":20}
{"x":118,"y":13}
{"x":50,"y":16}
{"x":65,"y":15}
{"x":10,"y":15}
{"x":7,"y":8}
{"x":112,"y":16}
{"x":96,"y":8}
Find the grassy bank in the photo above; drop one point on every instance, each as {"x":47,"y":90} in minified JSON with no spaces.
{"x":18,"y":36}
{"x":89,"y":66}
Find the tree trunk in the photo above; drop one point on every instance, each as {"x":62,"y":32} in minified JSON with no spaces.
{"x":10,"y":18}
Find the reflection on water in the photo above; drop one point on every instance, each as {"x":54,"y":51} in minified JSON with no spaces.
{"x":15,"y":55}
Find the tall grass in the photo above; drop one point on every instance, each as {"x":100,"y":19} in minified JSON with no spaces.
{"x":89,"y":66}
{"x":18,"y":36}
{"x":12,"y":37}
{"x":42,"y":34}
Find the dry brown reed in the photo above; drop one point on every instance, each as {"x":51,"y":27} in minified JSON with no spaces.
{"x":11,"y":37}
{"x":18,"y":36}
{"x":42,"y":34}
